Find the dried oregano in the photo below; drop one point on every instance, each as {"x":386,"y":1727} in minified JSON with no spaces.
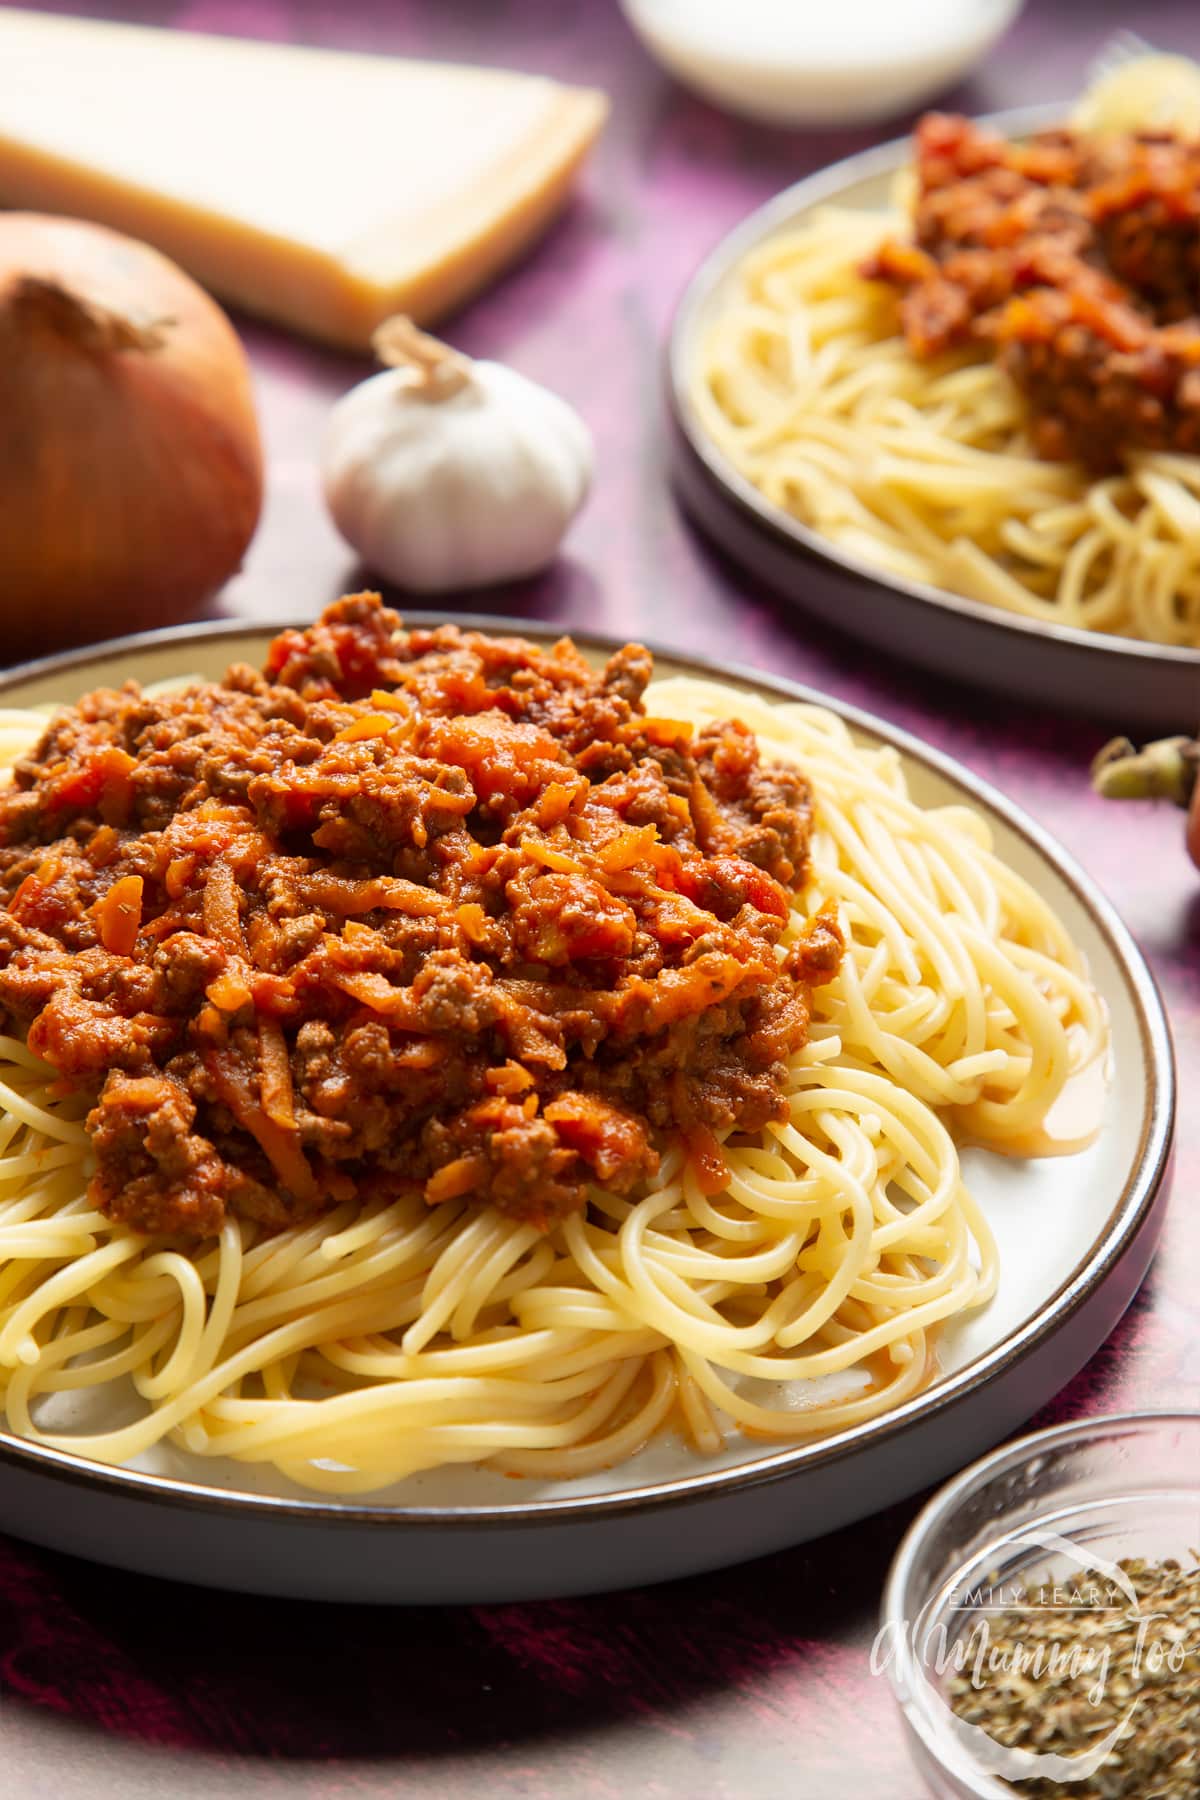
{"x":1061,"y":1666}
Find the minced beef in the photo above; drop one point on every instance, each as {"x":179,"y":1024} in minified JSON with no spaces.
{"x":1076,"y":258}
{"x":404,"y":907}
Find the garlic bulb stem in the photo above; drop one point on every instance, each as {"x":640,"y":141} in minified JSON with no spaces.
{"x":1164,"y":770}
{"x":434,"y":371}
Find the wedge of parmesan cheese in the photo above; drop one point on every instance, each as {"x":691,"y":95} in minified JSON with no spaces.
{"x":317,"y":188}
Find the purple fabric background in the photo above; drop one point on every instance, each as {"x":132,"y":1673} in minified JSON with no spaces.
{"x":749,"y":1683}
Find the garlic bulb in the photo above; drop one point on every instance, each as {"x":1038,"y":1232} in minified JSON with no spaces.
{"x":447,"y":473}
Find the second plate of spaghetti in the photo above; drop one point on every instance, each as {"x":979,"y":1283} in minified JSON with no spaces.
{"x":888,"y":425}
{"x":484,"y":1117}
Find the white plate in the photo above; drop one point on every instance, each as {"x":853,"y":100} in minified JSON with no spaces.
{"x":1140,"y":687}
{"x":1076,"y":1235}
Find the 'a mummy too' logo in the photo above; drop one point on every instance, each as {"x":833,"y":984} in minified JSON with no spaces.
{"x":982,"y":1650}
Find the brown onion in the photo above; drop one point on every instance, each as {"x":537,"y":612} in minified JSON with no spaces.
{"x":130,"y":462}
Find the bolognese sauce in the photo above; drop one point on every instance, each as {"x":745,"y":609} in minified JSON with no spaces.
{"x":404,"y":906}
{"x":1076,"y":258}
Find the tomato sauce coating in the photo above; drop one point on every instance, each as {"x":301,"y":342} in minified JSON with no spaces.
{"x":404,"y":907}
{"x":1076,"y":258}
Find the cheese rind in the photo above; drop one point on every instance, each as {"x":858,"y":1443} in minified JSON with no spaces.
{"x":321,"y":189}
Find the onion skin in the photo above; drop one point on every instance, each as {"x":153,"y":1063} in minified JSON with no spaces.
{"x":131,"y":469}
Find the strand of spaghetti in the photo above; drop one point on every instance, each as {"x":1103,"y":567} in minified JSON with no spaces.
{"x":695,"y":1411}
{"x":224,"y":1301}
{"x":50,"y":1377}
{"x":566,"y":1462}
{"x":833,"y":1415}
{"x":453,"y":1274}
{"x":695,"y":1262}
{"x":191,"y":1307}
{"x":12,"y":1050}
{"x":50,"y":1123}
{"x":257,"y":1429}
{"x":497,"y":1275}
{"x":41,"y":1241}
{"x":17,"y":1340}
{"x":21,"y":1166}
{"x":386,"y":1362}
{"x":455,"y":1443}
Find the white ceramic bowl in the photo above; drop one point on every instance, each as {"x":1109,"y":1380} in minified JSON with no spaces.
{"x":796,"y":62}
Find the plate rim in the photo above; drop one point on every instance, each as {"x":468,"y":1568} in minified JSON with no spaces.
{"x":825,"y":185}
{"x":1127,"y":1219}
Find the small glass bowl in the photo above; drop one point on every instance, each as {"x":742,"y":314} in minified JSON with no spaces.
{"x":1117,"y":1487}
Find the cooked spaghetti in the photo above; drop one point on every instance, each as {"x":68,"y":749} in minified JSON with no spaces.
{"x":999,"y":395}
{"x":789,"y":1210}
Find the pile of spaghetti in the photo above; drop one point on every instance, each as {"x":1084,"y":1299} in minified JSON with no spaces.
{"x":995,"y":391}
{"x":432,"y":1049}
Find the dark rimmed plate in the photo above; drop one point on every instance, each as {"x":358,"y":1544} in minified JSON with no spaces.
{"x":1140,"y":687}
{"x":1076,"y":1234}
